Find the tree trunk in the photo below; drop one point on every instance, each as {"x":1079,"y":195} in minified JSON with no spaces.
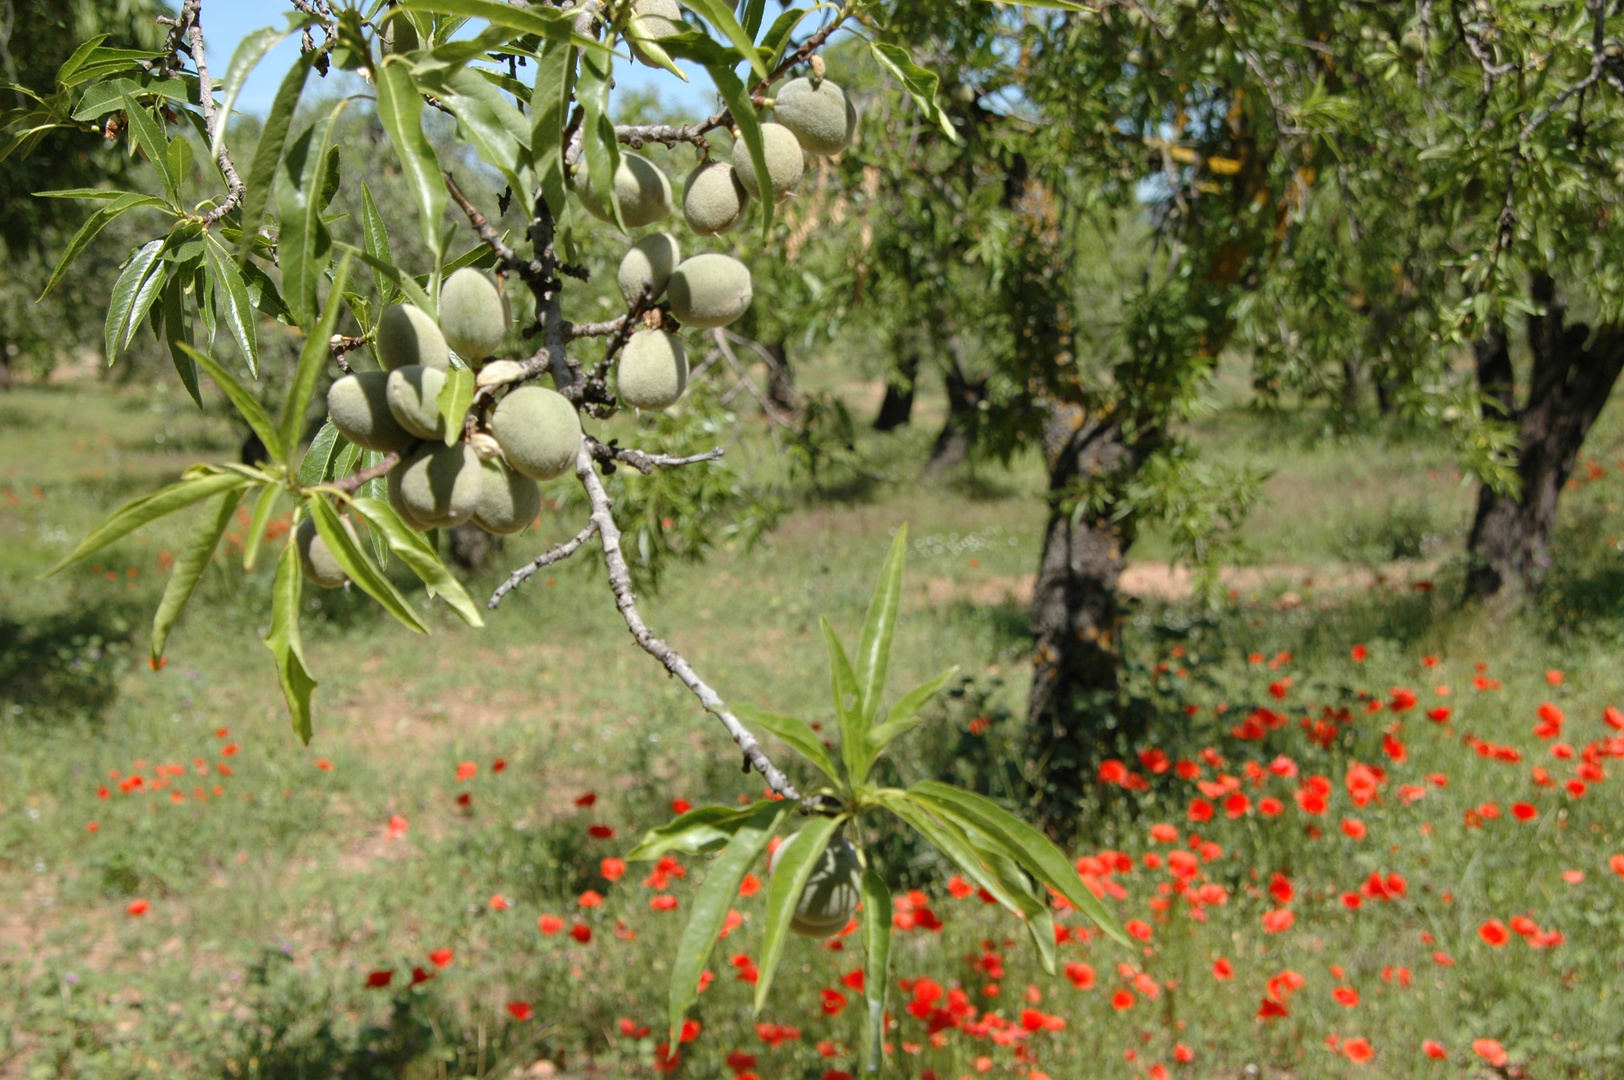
{"x":1074,"y":717}
{"x":964,"y":398}
{"x":1568,"y":386}
{"x":1350,"y":389}
{"x":897,"y":408}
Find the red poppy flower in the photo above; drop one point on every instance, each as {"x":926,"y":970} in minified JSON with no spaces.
{"x":441,"y":958}
{"x":601,"y":832}
{"x":1200,"y":810}
{"x":1358,"y":1051}
{"x":689,"y":1032}
{"x":1359,"y":653}
{"x":1494,"y":932}
{"x":1439,"y":715}
{"x":740,"y":1062}
{"x":377,"y":980}
{"x":324,"y":765}
{"x":1222,"y":970}
{"x":1573,"y":877}
{"x":1490,"y":1050}
{"x":590,"y":899}
{"x":681,"y":806}
{"x":612,"y":869}
{"x":1524,"y":811}
{"x":585,"y":801}
{"x":1137,"y":928}
{"x":1278,"y":921}
{"x":499,"y":902}
{"x":138,"y":907}
{"x":549,"y":924}
{"x":1164,"y":834}
{"x":466,"y":771}
{"x":499,"y":765}
{"x":663,"y":902}
{"x":1616,"y":865}
{"x":1354,"y":828}
{"x":1434,"y":1050}
{"x":419,"y":976}
{"x":1080,"y":975}
{"x":1346,"y":996}
{"x":582,"y":933}
{"x":833,"y":1003}
{"x":397,"y":827}
{"x":666,"y":1060}
{"x":1122,"y":1000}
{"x":1270,"y":1009}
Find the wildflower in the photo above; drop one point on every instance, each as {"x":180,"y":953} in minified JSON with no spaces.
{"x":1494,"y":932}
{"x":663,"y":902}
{"x":590,"y":899}
{"x":520,"y":1010}
{"x":1359,"y":653}
{"x":1490,"y":1050}
{"x":466,"y":771}
{"x":441,"y":958}
{"x":612,"y":869}
{"x":549,"y":924}
{"x":586,"y":801}
{"x":1278,"y":921}
{"x":1434,"y":1050}
{"x":138,"y":907}
{"x":581,"y":933}
{"x":1080,"y":975}
{"x":377,"y":980}
{"x":499,"y":902}
{"x":397,"y":827}
{"x":1122,"y":1000}
{"x":1222,"y":970}
{"x":1354,"y":828}
{"x":833,"y":1003}
{"x":600,"y":832}
{"x":854,"y":980}
{"x":1358,"y":1051}
{"x":1346,"y":996}
{"x":681,"y":806}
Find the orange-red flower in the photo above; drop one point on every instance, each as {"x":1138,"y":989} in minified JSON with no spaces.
{"x":520,"y":1010}
{"x":1494,"y":932}
{"x":1491,"y":1051}
{"x":1357,"y":1051}
{"x":441,"y":958}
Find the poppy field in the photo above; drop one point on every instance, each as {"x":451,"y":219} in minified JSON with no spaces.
{"x":1370,"y":834}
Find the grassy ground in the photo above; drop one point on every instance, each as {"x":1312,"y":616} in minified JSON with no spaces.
{"x":274,"y":881}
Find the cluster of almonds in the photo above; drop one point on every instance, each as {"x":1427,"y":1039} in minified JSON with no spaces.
{"x":534,"y":434}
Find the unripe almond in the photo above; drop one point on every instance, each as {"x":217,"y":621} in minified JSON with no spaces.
{"x":474,"y":314}
{"x":714,"y":201}
{"x":786,"y":161}
{"x":438,"y":487}
{"x":657,"y":19}
{"x":822,"y":119}
{"x":316,"y":560}
{"x":359,"y":407}
{"x":653,"y":370}
{"x":498,"y":373}
{"x":710,"y":290}
{"x":649,"y":262}
{"x":641,"y":188}
{"x":539,"y":431}
{"x":508,"y":502}
{"x":413,"y":395}
{"x":832,"y":893}
{"x":406,"y":336}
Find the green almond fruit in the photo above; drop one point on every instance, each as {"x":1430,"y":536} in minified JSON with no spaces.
{"x":316,"y":560}
{"x":822,"y":118}
{"x":710,"y":290}
{"x":438,"y":488}
{"x":508,"y":501}
{"x":359,"y":407}
{"x":653,"y":370}
{"x":474,"y":314}
{"x":714,"y":201}
{"x":649,"y":262}
{"x":407,"y":336}
{"x":413,"y":396}
{"x":539,"y":432}
{"x":832,"y":892}
{"x":641,"y":188}
{"x":786,"y":161}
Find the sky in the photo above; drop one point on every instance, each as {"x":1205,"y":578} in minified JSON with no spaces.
{"x":227,"y":23}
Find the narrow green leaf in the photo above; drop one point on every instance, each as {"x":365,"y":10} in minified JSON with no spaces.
{"x":599,"y":142}
{"x":304,"y":245}
{"x":1058,"y":5}
{"x":776,"y":41}
{"x":419,"y":556}
{"x":904,"y":717}
{"x":374,"y":233}
{"x":876,"y":968}
{"x":273,"y":138}
{"x":737,"y":96}
{"x":358,"y":565}
{"x":922,"y":84}
{"x":400,"y":108}
{"x":713,"y":901}
{"x":552,"y":24}
{"x":86,"y":194}
{"x":316,"y":467}
{"x":796,"y":733}
{"x":284,"y":643}
{"x":121,"y":306}
{"x":951,"y":841}
{"x":754,"y":12}
{"x":499,"y":133}
{"x":149,"y":508}
{"x":188,"y":570}
{"x":880,"y":625}
{"x":702,"y":829}
{"x":89,"y":230}
{"x":180,"y":160}
{"x":1033,"y":901}
{"x":313,"y":357}
{"x":178,"y":336}
{"x":264,"y":507}
{"x":240,"y":317}
{"x":1034,"y":851}
{"x":549,"y":106}
{"x":247,"y":406}
{"x":149,"y":136}
{"x":848,"y":705}
{"x":392,"y":274}
{"x":250,"y":51}
{"x":80,"y":57}
{"x":796,"y":861}
{"x":454,"y":398}
{"x":719,"y":13}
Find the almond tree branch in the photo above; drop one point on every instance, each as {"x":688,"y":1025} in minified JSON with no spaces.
{"x":644,"y":462}
{"x":188,"y":34}
{"x":620,"y":583}
{"x":354,"y":482}
{"x":557,"y":555}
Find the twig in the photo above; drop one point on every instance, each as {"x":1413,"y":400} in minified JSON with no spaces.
{"x":354,"y":482}
{"x":620,"y":583}
{"x":644,"y":462}
{"x":557,"y":555}
{"x":767,"y":407}
{"x":576,"y":331}
{"x":190,"y":24}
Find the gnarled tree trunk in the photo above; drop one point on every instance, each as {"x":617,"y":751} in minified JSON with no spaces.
{"x":897,"y":408}
{"x":964,"y":398}
{"x":1074,"y":717}
{"x":1572,"y":377}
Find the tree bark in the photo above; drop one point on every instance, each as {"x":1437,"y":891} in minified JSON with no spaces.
{"x":1074,"y":716}
{"x":897,"y":408}
{"x":964,"y":398}
{"x":1569,"y":385}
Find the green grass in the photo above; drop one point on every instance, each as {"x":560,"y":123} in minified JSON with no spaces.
{"x":272,"y":901}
